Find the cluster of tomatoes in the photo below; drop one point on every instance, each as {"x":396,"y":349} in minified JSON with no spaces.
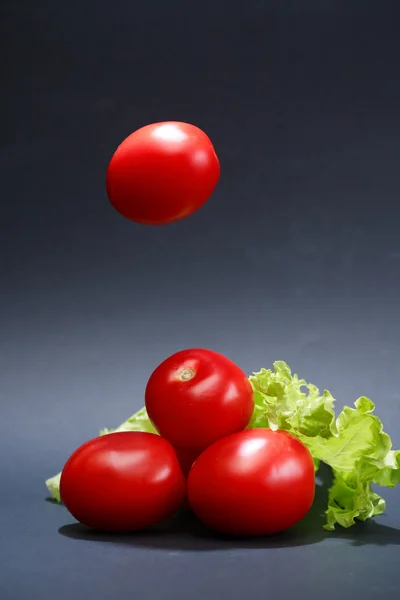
{"x":236,"y":480}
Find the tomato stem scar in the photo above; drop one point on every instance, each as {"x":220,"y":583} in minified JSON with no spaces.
{"x":186,"y":374}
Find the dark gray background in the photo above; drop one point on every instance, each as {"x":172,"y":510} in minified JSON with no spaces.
{"x":295,"y":257}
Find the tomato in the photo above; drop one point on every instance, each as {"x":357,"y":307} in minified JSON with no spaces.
{"x":123,"y":482}
{"x":255,"y":482}
{"x":197,"y":396}
{"x":162,"y":173}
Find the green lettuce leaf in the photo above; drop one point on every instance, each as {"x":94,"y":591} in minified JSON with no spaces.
{"x":137,"y":422}
{"x":283,"y":401}
{"x":354,"y":444}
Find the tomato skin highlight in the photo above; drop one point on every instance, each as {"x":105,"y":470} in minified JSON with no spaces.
{"x":123,"y":481}
{"x":256,"y":482}
{"x":196,"y":397}
{"x":162,"y":173}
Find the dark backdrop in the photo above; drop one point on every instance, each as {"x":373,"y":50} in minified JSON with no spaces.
{"x":295,"y":257}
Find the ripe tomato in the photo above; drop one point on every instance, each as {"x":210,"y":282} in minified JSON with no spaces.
{"x":123,"y":482}
{"x":197,"y":396}
{"x":255,"y":482}
{"x":162,"y":173}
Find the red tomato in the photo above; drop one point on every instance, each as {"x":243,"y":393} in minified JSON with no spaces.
{"x":197,"y":396}
{"x":162,"y":173}
{"x":122,"y":482}
{"x":255,"y":482}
